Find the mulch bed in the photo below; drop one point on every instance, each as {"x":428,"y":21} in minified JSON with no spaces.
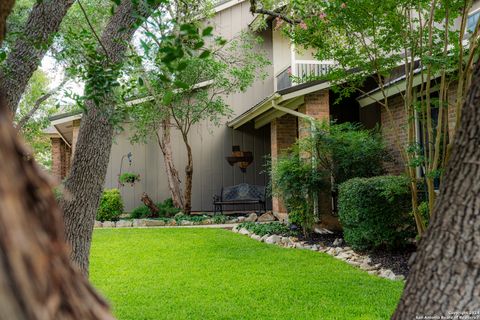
{"x":395,"y":261}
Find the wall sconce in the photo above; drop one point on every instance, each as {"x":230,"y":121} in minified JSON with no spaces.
{"x":243,"y":158}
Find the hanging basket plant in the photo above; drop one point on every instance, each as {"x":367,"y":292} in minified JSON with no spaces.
{"x":128,"y":177}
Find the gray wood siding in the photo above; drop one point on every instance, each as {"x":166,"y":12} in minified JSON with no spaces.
{"x":210,"y":144}
{"x":211,"y":170}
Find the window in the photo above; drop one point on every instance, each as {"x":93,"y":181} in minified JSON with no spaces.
{"x":472,"y":21}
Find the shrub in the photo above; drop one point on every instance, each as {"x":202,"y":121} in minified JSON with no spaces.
{"x":374,"y":212}
{"x":294,"y":180}
{"x":111,"y":205}
{"x":267,"y":228}
{"x":166,"y":209}
{"x":219,"y":219}
{"x":140,"y":212}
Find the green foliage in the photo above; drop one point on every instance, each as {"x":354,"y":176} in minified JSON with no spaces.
{"x":129,"y":177}
{"x":347,"y":151}
{"x":293,"y":178}
{"x":424,"y":212}
{"x":267,"y":228}
{"x":140,"y":212}
{"x":166,"y":210}
{"x":343,"y":151}
{"x":111,"y":205}
{"x":374,"y":212}
{"x":219,"y":219}
{"x":32,"y":131}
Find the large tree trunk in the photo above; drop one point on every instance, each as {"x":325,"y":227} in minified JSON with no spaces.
{"x":30,"y":48}
{"x":85,"y":183}
{"x":187,"y":195}
{"x":37,"y":280}
{"x":173,"y":177}
{"x":445,"y":276}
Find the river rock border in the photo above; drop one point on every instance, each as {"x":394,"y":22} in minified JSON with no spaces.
{"x":342,"y":253}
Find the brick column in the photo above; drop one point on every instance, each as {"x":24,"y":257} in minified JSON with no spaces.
{"x":75,"y":130}
{"x":317,"y":105}
{"x":283,"y":135}
{"x":57,"y":157}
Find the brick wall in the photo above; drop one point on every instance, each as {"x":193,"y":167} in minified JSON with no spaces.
{"x":61,"y":158}
{"x":400,"y":121}
{"x":283,"y":135}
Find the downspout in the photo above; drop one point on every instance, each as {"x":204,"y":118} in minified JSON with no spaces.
{"x":313,"y":131}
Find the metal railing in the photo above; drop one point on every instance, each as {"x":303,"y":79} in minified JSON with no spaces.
{"x":303,"y":71}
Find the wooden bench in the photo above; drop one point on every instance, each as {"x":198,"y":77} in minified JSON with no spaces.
{"x":242,"y":193}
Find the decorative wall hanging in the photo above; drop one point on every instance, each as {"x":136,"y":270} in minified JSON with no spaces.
{"x":243,"y":158}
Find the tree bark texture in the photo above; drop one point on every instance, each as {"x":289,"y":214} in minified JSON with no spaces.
{"x":445,"y":276}
{"x":187,"y":194}
{"x":5,"y":9}
{"x":37,"y":279}
{"x":30,"y":48}
{"x":174,"y":183}
{"x":148,"y":202}
{"x":84,"y":185}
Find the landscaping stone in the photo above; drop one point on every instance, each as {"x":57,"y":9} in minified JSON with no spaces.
{"x":235,"y":229}
{"x":153,"y":223}
{"x":108,"y":224}
{"x":387,"y":273}
{"x":207,"y":221}
{"x":98,"y":224}
{"x":241,"y":219}
{"x":266,"y":217}
{"x":252,"y":217}
{"x":321,"y":230}
{"x":172,"y":223}
{"x":299,"y":245}
{"x":186,"y":223}
{"x":314,"y":247}
{"x":231,"y":221}
{"x":338,"y":242}
{"x":124,"y":224}
{"x":178,"y":215}
{"x":264,"y":237}
{"x":273,"y":239}
{"x":244,"y":231}
{"x":399,"y":277}
{"x":256,"y":237}
{"x":139,"y":223}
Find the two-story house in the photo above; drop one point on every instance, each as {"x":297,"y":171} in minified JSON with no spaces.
{"x":268,"y":117}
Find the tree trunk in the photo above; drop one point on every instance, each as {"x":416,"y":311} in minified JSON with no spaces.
{"x":147,"y":201}
{"x":173,"y":177}
{"x":85,"y":183}
{"x":445,"y":276}
{"x":187,"y":196}
{"x":37,"y":279}
{"x":30,"y":48}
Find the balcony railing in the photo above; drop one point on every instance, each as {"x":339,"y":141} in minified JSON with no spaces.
{"x":303,"y":71}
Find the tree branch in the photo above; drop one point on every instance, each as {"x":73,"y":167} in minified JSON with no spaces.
{"x":37,"y":105}
{"x":254,"y":9}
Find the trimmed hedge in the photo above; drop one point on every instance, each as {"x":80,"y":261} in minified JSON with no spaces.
{"x":376,"y":212}
{"x":111,"y":205}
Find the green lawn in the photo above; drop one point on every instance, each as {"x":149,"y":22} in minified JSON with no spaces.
{"x":217,"y":274}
